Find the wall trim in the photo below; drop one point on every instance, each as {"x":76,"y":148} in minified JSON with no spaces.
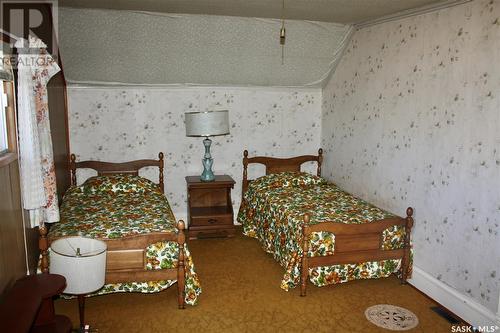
{"x":73,"y":85}
{"x":410,"y":12}
{"x":463,"y":306}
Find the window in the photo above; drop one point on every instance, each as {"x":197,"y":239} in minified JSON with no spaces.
{"x":8,"y":149}
{"x":4,"y":142}
{"x":8,"y":141}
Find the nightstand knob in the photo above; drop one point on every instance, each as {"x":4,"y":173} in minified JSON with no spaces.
{"x":212,"y":221}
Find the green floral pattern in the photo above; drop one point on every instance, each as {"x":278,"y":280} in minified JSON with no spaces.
{"x":110,"y":207}
{"x":161,"y":255}
{"x":286,"y":179}
{"x":274,"y":214}
{"x":120,"y":206}
{"x":118,"y":183}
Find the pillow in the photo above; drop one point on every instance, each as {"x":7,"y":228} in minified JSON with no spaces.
{"x":286,"y":179}
{"x":119,"y":183}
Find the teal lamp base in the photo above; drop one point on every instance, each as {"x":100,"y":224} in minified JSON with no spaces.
{"x":207,"y":175}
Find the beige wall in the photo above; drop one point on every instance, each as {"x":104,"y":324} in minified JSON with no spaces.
{"x":412,"y":117}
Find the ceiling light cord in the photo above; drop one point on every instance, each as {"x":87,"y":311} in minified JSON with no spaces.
{"x":283,"y":34}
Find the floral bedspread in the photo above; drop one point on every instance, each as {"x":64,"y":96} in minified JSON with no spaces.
{"x":273,"y":209}
{"x":110,"y":207}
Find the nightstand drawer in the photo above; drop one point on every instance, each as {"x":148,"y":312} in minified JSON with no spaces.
{"x":208,"y":220}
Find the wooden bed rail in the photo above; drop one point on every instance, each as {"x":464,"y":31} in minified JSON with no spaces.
{"x":275,"y":164}
{"x":131,"y":244}
{"x":356,"y":243}
{"x":110,"y":168}
{"x":135,"y":241}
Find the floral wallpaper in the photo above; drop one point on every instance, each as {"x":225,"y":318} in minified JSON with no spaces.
{"x":122,"y":124}
{"x":412,"y":117}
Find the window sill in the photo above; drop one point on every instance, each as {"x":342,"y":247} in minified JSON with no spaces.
{"x":7,"y":158}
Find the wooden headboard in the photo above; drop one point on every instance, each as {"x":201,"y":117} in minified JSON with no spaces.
{"x":274,"y":164}
{"x":109,"y":168}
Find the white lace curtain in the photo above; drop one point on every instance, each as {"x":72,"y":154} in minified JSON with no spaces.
{"x":36,"y":161}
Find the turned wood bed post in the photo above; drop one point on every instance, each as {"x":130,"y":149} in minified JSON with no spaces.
{"x":320,"y":161}
{"x":304,"y":271}
{"x":72,"y":168}
{"x":181,"y":271}
{"x":407,"y":245}
{"x":245,"y":173}
{"x":43,"y":245}
{"x":160,"y":183}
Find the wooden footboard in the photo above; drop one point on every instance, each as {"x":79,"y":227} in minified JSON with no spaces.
{"x":126,"y":259}
{"x":356,"y":243}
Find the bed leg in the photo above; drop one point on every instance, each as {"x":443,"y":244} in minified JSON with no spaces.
{"x":405,"y":265}
{"x":43,"y":245}
{"x":181,"y":271}
{"x":304,"y":270}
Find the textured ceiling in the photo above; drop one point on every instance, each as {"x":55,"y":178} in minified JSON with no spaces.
{"x":127,"y":47}
{"x":340,"y":11}
{"x":226,"y":42}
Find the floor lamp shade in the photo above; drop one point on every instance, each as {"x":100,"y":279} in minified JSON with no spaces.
{"x":209,"y":123}
{"x":82,"y":261}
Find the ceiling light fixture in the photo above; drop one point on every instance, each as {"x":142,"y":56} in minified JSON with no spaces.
{"x":283,"y":34}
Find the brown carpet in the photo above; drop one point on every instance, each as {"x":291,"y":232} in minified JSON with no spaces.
{"x":241,"y":293}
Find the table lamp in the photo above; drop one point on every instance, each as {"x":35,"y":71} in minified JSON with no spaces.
{"x":207,"y":124}
{"x":82,"y":261}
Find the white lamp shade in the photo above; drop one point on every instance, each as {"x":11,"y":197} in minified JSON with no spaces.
{"x":84,"y":273}
{"x":209,"y":123}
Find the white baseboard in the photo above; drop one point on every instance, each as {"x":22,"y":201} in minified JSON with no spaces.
{"x":463,"y":306}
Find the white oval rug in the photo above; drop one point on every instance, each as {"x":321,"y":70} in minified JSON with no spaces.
{"x":391,"y":317}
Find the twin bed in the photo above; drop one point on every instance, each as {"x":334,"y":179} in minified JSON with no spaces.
{"x":146,"y":246}
{"x":312,"y":228}
{"x":318,"y":232}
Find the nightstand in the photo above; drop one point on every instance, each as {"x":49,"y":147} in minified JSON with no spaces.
{"x":210,"y":211}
